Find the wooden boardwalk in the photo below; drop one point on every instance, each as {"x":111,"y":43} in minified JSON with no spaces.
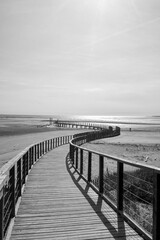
{"x":58,"y":204}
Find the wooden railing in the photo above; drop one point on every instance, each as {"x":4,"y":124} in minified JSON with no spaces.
{"x":80,"y":124}
{"x":121,"y":183}
{"x":92,"y":166}
{"x":13,"y":176}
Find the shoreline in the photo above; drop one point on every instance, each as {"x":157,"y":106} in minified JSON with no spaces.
{"x":13,"y":130}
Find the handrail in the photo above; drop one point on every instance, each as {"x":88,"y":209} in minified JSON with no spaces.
{"x":100,"y":181}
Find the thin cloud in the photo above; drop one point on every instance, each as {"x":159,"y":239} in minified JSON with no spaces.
{"x":92,"y":90}
{"x":118,"y":33}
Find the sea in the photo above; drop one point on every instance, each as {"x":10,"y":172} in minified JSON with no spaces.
{"x":125,"y":122}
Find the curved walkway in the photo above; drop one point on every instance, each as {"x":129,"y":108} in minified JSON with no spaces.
{"x":58,"y":204}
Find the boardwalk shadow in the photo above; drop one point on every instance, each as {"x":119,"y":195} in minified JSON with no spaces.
{"x":118,"y":232}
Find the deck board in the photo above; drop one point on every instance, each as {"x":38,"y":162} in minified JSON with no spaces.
{"x":57,"y":206}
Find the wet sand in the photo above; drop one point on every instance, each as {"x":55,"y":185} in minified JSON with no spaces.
{"x":14,"y":139}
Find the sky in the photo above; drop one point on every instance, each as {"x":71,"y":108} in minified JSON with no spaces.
{"x":80,"y":57}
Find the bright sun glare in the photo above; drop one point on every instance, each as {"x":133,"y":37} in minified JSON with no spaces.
{"x":98,"y":5}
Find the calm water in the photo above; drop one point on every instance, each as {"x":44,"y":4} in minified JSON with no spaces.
{"x":122,"y":121}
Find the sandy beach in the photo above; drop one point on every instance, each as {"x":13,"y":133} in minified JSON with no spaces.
{"x":14,"y":139}
{"x":139,"y":146}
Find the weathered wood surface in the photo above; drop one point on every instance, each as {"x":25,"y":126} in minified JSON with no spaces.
{"x":58,"y":204}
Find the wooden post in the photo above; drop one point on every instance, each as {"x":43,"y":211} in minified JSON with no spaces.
{"x":73,"y":155}
{"x":47,"y":145}
{"x":12,"y":175}
{"x":101,"y":171}
{"x":35,"y":156}
{"x":51,"y":145}
{"x":120,"y":186}
{"x":2,"y":179}
{"x":70,"y":151}
{"x":32,"y":150}
{"x":24,"y":169}
{"x":1,"y":215}
{"x":81,"y":161}
{"x":156,"y":206}
{"x":19,"y":177}
{"x":43,"y":147}
{"x":27,"y":163}
{"x":29,"y":159}
{"x":89,"y":165}
{"x":38,"y":151}
{"x":76,"y":158}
